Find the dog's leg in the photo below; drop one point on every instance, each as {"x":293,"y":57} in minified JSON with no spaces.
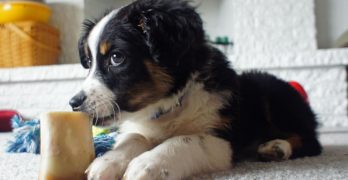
{"x":113,"y":164}
{"x":291,"y":147}
{"x":181,"y":157}
{"x":275,"y":150}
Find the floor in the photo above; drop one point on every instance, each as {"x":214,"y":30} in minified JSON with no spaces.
{"x":332,"y":164}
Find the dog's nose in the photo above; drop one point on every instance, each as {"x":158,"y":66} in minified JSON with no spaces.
{"x":76,"y":101}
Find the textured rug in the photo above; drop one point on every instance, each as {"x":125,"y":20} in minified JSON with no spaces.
{"x":332,"y":164}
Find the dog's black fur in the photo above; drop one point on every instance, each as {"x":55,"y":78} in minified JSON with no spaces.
{"x":169,"y":33}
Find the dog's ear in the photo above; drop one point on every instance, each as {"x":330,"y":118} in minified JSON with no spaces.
{"x":171,"y":28}
{"x":82,"y":52}
{"x":87,"y":26}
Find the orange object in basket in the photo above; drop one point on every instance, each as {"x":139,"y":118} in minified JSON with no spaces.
{"x":24,"y":11}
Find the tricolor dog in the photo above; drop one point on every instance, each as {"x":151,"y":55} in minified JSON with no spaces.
{"x":181,"y":110}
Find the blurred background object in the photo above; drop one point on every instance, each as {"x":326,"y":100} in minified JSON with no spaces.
{"x":331,"y":21}
{"x":342,"y":41}
{"x":26,"y":38}
{"x":13,"y":11}
{"x":41,"y":1}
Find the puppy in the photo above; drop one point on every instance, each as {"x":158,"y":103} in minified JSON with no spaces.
{"x":181,"y":110}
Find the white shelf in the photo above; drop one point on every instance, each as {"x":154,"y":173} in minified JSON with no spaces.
{"x":42,"y":73}
{"x":307,"y":59}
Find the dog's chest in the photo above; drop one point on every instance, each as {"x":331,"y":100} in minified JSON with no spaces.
{"x":199,"y":113}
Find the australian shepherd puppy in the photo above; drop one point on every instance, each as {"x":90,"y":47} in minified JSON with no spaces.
{"x":181,"y":110}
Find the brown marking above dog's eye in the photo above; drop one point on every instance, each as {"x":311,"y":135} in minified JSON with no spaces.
{"x":142,"y":24}
{"x":104,"y":48}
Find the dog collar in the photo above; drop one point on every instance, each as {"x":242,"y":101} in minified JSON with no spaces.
{"x":160,"y":112}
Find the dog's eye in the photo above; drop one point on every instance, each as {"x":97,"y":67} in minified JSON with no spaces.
{"x":116,"y":59}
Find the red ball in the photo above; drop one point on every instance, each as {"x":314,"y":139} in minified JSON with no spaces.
{"x":299,"y":89}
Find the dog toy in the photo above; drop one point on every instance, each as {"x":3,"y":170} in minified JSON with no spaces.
{"x":26,"y":138}
{"x":297,"y":86}
{"x":5,"y":120}
{"x":99,"y":131}
{"x":66,"y":145}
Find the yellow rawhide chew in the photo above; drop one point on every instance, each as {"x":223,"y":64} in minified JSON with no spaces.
{"x":66,"y":145}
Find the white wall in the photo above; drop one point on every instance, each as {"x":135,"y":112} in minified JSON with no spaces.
{"x":67,"y":16}
{"x":331,"y":20}
{"x":218,"y":16}
{"x":274,"y":26}
{"x":96,"y":8}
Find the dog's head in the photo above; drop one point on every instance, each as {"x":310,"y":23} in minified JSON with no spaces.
{"x":137,"y":55}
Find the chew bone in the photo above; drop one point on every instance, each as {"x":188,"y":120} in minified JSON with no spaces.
{"x":66,"y":145}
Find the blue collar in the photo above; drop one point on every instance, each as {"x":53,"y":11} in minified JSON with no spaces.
{"x":160,"y":112}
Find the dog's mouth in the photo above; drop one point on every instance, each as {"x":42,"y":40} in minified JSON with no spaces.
{"x":104,"y":116}
{"x":105,"y":121}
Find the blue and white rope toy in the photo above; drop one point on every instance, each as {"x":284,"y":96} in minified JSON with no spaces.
{"x":27,"y":138}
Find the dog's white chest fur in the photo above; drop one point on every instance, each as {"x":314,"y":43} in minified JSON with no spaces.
{"x":197,"y":114}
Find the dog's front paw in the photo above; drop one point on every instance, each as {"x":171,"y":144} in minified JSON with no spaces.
{"x":148,"y":167}
{"x":107,"y":167}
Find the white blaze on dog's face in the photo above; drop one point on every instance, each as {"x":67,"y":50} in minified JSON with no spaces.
{"x":99,"y":98}
{"x":136,"y":57}
{"x":122,"y":75}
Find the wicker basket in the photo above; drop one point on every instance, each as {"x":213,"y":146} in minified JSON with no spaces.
{"x":28,"y":44}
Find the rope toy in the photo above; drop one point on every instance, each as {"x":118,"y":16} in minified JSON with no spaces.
{"x":26,"y":137}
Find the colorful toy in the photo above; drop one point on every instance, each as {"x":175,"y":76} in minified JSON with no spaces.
{"x":27,"y":138}
{"x":99,"y":131}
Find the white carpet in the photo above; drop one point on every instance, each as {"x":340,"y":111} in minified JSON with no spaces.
{"x":332,"y":164}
